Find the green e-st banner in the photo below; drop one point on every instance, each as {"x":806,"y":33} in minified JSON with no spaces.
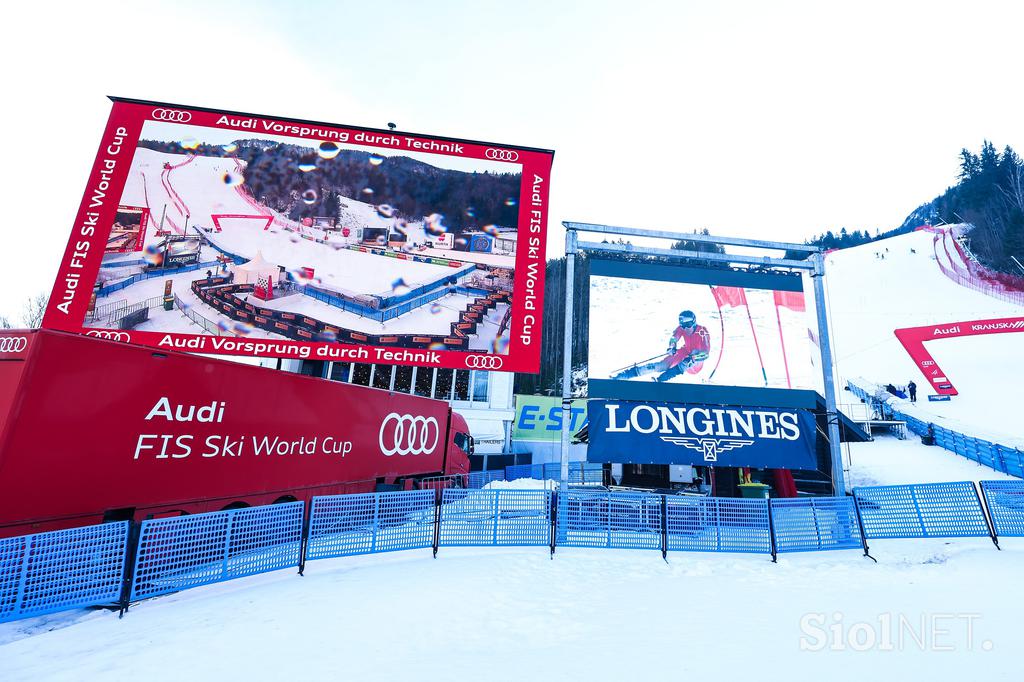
{"x":539,"y":418}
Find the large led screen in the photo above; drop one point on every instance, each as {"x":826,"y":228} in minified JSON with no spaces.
{"x":227,"y":233}
{"x":659,"y":324}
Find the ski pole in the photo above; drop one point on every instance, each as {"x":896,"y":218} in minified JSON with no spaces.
{"x":634,"y":364}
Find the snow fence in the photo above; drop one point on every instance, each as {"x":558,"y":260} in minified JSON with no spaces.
{"x":117,"y":563}
{"x":1001,"y":458}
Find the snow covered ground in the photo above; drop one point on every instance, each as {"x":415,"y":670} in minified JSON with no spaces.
{"x":514,"y":614}
{"x":869,"y":297}
{"x":889,"y":461}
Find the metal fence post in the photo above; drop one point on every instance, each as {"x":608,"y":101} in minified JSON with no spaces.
{"x":860,"y":525}
{"x":988,"y":516}
{"x":664,"y":527}
{"x":307,"y":519}
{"x":131,"y":551}
{"x":771,"y":532}
{"x":437,"y":520}
{"x":554,"y":521}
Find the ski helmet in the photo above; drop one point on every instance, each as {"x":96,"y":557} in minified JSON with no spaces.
{"x":687,"y":319}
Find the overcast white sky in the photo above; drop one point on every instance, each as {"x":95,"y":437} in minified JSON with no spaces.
{"x":758,"y":119}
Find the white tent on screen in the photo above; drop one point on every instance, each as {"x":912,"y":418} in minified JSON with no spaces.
{"x":251,"y":271}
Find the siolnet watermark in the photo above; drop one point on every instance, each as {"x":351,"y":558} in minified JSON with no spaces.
{"x":893,"y":632}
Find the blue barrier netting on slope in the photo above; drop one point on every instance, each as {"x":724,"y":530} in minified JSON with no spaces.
{"x":1002,"y":458}
{"x":815,"y":523}
{"x":1005,"y":501}
{"x":714,"y":524}
{"x":495,"y":517}
{"x":921,"y":510}
{"x":64,"y":569}
{"x":187,"y":551}
{"x":343,"y":525}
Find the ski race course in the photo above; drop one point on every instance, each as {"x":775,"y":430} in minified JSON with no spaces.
{"x":870,"y":297}
{"x":192,"y":195}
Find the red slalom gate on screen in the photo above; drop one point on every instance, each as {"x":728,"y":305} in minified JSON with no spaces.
{"x":914,"y":338}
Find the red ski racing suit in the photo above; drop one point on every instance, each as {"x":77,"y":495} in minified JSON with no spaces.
{"x":690,"y":347}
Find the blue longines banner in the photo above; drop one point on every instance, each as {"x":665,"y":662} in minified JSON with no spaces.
{"x":706,"y":435}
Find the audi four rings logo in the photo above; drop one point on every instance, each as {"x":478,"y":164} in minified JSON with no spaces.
{"x":502,"y":154}
{"x":172,"y":115}
{"x":107,"y":334}
{"x":484,"y":361}
{"x":404,"y":434}
{"x":13,"y":344}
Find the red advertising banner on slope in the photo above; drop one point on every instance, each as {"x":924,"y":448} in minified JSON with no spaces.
{"x":914,"y":338}
{"x":365,"y":245}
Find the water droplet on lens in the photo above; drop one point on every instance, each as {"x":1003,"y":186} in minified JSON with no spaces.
{"x":435,"y":308}
{"x":437,"y":345}
{"x":460,"y":242}
{"x":309,"y":197}
{"x":376,"y":160}
{"x":328,"y":150}
{"x":385,"y":211}
{"x":327,"y":335}
{"x":435,"y":224}
{"x":470,"y":212}
{"x":491,"y":230}
{"x":500,"y":345}
{"x":511,"y":201}
{"x":230,"y":148}
{"x":232,"y":179}
{"x":382,"y":240}
{"x":367,"y":190}
{"x":190,"y":143}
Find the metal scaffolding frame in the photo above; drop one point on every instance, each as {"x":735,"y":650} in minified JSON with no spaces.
{"x":814,"y":264}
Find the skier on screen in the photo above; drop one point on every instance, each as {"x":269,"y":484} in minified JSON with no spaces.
{"x":688,"y":348}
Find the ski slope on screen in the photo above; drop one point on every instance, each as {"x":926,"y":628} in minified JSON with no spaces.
{"x":632,"y":321}
{"x":180,"y":187}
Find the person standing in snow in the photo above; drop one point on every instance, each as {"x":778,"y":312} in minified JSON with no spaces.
{"x":912,"y":390}
{"x":688,"y":348}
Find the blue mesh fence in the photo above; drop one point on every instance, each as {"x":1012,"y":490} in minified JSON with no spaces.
{"x":65,"y":569}
{"x":814,"y":523}
{"x":495,"y":517}
{"x":343,"y":525}
{"x":187,"y":551}
{"x":479,"y":479}
{"x":580,"y":473}
{"x":993,"y":455}
{"x":1005,"y":501}
{"x":599,"y":518}
{"x":921,"y":510}
{"x":712,"y":524}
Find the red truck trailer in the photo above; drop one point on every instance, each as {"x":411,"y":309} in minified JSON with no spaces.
{"x":93,"y":430}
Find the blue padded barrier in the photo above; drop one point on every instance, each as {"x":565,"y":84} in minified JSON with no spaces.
{"x":495,"y":517}
{"x":516,"y":471}
{"x":814,"y":523}
{"x":921,"y":510}
{"x":716,"y":524}
{"x":65,"y":569}
{"x":1005,"y":500}
{"x":599,"y":518}
{"x":188,"y":551}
